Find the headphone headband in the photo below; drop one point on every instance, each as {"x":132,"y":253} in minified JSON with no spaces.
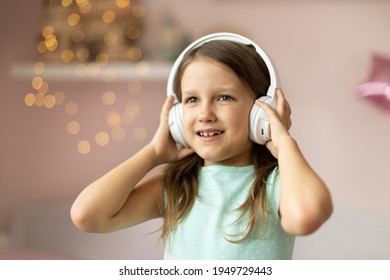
{"x":229,"y":37}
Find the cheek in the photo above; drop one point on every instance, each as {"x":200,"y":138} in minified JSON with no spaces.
{"x":240,"y":120}
{"x":187,"y":119}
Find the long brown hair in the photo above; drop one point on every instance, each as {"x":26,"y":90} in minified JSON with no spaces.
{"x":181,"y":177}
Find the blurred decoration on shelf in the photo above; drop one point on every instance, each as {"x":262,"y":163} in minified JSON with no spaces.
{"x":97,"y":31}
{"x":377,"y":88}
{"x":85,"y":37}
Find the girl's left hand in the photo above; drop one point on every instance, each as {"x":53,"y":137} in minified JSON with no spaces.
{"x":280,"y":121}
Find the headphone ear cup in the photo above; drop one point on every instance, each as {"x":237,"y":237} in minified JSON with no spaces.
{"x":176,"y":124}
{"x":259,"y":129}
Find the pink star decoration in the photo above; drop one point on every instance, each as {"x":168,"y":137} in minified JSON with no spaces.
{"x":377,"y":88}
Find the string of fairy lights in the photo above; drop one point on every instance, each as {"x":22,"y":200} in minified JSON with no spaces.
{"x":90,"y":34}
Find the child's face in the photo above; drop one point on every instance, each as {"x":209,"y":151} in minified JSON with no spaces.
{"x":216,"y":107}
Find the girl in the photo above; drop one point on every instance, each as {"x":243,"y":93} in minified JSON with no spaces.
{"x":223,"y":197}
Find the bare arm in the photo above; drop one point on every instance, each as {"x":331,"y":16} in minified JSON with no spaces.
{"x":122,"y":198}
{"x":305,"y":202}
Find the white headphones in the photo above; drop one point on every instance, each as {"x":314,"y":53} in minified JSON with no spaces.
{"x":259,"y":129}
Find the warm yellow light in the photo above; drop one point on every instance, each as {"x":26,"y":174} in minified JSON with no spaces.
{"x":82,"y":54}
{"x":102,"y":138}
{"x":71,"y":108}
{"x":109,"y":16}
{"x":122,"y":3}
{"x":85,"y":8}
{"x":102,"y":59}
{"x":133,"y":32}
{"x":67,"y":56}
{"x":143,"y":68}
{"x":39,"y":68}
{"x":138,"y":10}
{"x":41,"y":47}
{"x":73,"y":19}
{"x":73,"y":127}
{"x":140,"y":133}
{"x":39,"y":100}
{"x":37,"y":82}
{"x":29,"y":99}
{"x":84,"y":147}
{"x":134,"y":53}
{"x":108,"y":97}
{"x":47,"y":31}
{"x":50,"y":101}
{"x":44,"y":88}
{"x":81,"y":70}
{"x":114,"y":119}
{"x":110,"y":38}
{"x":66,"y":3}
{"x":93,"y":69}
{"x":51,"y":42}
{"x":81,"y":2}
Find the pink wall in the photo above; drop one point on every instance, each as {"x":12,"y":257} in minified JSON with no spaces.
{"x":322,"y":50}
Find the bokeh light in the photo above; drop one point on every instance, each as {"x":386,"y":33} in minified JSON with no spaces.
{"x":108,"y":97}
{"x":122,"y":3}
{"x":39,"y":100}
{"x":102,"y":138}
{"x":39,"y":68}
{"x":66,"y":3}
{"x":84,"y":147}
{"x":73,"y":19}
{"x":49,"y":101}
{"x":71,"y":108}
{"x":73,"y":127}
{"x":138,"y":11}
{"x":114,"y":119}
{"x":108,"y":16}
{"x":29,"y":99}
{"x":37,"y":82}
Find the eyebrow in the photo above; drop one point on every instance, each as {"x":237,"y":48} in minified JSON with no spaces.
{"x":218,"y":89}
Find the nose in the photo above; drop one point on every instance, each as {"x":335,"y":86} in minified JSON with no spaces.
{"x":207,"y":112}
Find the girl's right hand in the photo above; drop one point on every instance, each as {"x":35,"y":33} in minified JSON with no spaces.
{"x":163,"y":144}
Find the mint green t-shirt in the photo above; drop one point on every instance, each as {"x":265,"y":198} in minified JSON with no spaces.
{"x":213,"y":220}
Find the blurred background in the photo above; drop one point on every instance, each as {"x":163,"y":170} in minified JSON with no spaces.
{"x":82,"y":83}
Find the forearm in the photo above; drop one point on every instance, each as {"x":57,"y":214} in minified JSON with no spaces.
{"x":103,"y":198}
{"x":305,"y":201}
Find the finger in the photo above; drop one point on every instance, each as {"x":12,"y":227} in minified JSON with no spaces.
{"x":267,"y":108}
{"x":282,"y":102}
{"x":283,"y":108}
{"x":166,"y":107}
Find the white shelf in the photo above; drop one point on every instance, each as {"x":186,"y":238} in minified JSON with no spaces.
{"x":145,"y":71}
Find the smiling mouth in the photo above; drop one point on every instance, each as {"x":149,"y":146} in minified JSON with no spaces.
{"x":209,"y":133}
